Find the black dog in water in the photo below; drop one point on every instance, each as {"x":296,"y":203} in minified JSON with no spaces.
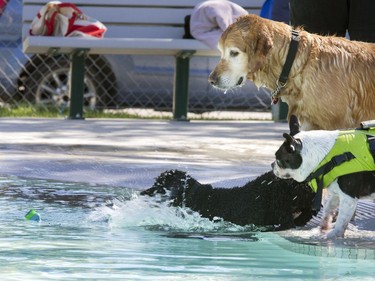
{"x":268,"y":201}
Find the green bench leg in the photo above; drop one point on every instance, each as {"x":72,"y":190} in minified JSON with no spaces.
{"x":77,"y":74}
{"x":280,"y":111}
{"x":181,"y":85}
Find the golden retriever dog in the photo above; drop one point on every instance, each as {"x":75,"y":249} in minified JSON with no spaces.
{"x":331,"y":83}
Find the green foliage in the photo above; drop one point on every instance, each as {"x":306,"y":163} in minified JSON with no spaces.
{"x":27,"y":110}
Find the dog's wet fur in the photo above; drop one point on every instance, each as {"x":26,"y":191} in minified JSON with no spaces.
{"x":254,"y":48}
{"x":267,"y":201}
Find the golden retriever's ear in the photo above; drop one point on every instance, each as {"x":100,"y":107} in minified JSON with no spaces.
{"x":257,"y":50}
{"x":257,"y":39}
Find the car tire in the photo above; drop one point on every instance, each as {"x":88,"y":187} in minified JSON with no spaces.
{"x":44,"y":81}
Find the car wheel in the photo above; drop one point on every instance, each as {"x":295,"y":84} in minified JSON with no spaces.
{"x":45,"y":81}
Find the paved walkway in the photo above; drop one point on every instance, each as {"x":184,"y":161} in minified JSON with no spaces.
{"x":132,"y":153}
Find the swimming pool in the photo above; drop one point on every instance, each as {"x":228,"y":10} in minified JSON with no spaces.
{"x":97,"y":232}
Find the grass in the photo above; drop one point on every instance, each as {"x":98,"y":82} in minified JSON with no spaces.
{"x":33,"y":111}
{"x":27,"y":110}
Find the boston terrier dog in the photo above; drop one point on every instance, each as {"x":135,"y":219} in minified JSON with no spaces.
{"x":341,"y":161}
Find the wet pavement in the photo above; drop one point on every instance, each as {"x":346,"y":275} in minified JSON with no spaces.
{"x":131,"y":153}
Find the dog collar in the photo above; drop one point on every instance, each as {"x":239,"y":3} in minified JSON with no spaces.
{"x":281,"y":82}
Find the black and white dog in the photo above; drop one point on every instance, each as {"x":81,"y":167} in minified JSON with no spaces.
{"x":341,"y":161}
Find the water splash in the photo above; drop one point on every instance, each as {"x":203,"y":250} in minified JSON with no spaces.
{"x":154,"y":213}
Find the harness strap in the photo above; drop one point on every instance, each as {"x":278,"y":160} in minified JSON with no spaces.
{"x":371,"y":145}
{"x":318,"y":175}
{"x":317,"y":201}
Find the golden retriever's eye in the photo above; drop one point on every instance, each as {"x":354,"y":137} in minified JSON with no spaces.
{"x":233,"y":54}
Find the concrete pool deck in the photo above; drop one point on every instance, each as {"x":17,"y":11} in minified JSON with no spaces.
{"x":131,"y":153}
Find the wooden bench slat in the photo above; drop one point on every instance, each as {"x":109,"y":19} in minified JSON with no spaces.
{"x":127,"y":15}
{"x":147,"y":46}
{"x":123,"y":16}
{"x":176,"y":3}
{"x":142,"y":32}
{"x":115,"y":31}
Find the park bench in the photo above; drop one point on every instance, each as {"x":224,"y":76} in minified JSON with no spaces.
{"x":135,"y":27}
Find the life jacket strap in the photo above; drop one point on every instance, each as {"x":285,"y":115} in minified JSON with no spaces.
{"x":371,"y":145}
{"x":318,"y":175}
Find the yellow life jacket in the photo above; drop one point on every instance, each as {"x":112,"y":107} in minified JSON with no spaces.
{"x":352,"y":152}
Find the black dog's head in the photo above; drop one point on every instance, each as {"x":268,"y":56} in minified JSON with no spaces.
{"x":171,"y":184}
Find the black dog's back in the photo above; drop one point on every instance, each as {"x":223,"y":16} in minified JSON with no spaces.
{"x":265,"y":201}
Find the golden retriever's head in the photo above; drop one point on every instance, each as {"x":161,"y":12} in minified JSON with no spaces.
{"x":244,"y":46}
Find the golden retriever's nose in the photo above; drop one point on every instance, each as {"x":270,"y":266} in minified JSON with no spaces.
{"x":213,"y":79}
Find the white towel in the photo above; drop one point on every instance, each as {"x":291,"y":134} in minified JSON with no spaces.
{"x":210,"y":18}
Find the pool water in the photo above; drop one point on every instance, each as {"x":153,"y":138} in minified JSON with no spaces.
{"x":93,"y":232}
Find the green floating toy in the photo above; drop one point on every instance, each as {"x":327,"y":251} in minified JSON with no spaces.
{"x":33,"y":215}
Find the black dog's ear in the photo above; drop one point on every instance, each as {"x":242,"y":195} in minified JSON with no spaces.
{"x":290,"y":143}
{"x":294,"y":126}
